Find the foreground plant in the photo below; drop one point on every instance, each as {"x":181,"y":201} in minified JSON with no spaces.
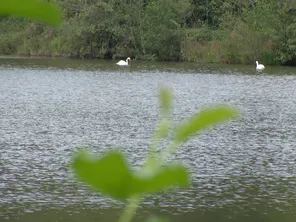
{"x":111,"y":175}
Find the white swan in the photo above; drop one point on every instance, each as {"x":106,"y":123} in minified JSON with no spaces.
{"x":259,"y":66}
{"x":124,"y":63}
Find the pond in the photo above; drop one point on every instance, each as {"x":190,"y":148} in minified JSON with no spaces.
{"x":243,"y":170}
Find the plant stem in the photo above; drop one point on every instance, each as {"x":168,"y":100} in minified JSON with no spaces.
{"x":169,"y":150}
{"x":130,"y":209}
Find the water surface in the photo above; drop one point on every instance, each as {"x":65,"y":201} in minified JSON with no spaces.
{"x":243,"y":170}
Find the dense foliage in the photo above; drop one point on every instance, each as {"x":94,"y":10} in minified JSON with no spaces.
{"x":228,"y":31}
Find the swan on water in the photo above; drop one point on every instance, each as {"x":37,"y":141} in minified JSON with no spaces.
{"x":259,"y":66}
{"x":124,"y":63}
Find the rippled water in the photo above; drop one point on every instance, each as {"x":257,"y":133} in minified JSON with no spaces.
{"x":242,"y":171}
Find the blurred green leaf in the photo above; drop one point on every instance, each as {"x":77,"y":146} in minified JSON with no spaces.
{"x":108,"y":173}
{"x":165,"y":99}
{"x":160,"y":178}
{"x":34,"y":9}
{"x":157,"y":219}
{"x":202,"y":120}
{"x":111,"y":175}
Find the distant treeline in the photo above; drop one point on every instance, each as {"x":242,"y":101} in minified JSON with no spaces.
{"x":216,"y":31}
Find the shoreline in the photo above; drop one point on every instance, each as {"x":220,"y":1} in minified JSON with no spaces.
{"x":140,"y":60}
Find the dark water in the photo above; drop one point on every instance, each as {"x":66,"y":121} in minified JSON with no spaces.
{"x":242,"y":171}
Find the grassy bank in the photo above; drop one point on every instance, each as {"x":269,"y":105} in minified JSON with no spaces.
{"x":231,"y":49}
{"x":234,"y":48}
